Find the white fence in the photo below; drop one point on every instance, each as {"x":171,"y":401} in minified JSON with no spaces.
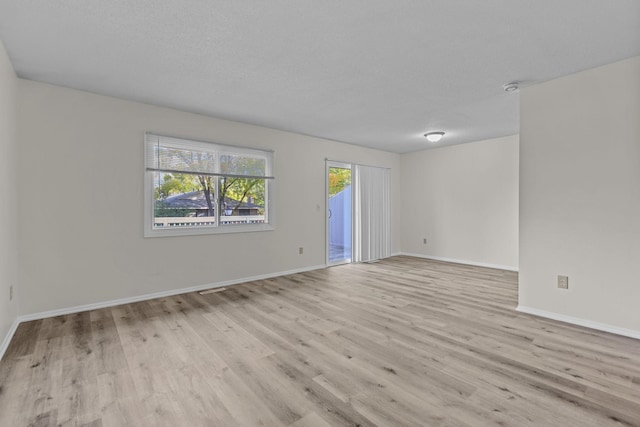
{"x":203,"y":221}
{"x":340,"y":220}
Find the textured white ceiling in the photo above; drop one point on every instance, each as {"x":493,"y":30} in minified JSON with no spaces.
{"x":369,"y":72}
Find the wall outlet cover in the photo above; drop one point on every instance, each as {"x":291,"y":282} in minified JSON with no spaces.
{"x":563,"y":282}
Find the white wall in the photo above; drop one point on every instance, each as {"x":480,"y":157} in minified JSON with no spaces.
{"x":464,"y":200}
{"x":81,"y":201}
{"x":8,"y":196}
{"x":580,"y":196}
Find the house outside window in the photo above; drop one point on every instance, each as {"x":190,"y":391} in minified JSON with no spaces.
{"x":195,"y":187}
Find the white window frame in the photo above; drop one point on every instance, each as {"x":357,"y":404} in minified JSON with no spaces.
{"x":219,"y":149}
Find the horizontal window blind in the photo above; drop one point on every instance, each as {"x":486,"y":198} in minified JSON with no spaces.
{"x":176,"y":155}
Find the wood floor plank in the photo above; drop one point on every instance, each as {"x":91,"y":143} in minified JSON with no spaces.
{"x":310,"y":420}
{"x":400,"y":342}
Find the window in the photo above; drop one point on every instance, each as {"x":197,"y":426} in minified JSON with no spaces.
{"x":196,"y":187}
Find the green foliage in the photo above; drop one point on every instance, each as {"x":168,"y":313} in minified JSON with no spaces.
{"x":241,"y":189}
{"x":339,"y":179}
{"x":177,"y":183}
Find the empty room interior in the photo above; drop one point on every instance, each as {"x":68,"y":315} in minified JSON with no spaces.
{"x":359,"y":213}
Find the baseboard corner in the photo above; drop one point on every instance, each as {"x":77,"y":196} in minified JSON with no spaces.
{"x":9,"y":336}
{"x":630,"y":333}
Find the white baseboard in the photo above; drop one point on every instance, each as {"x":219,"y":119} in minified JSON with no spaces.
{"x":7,"y":339}
{"x":462,"y":261}
{"x":111,"y":303}
{"x":580,"y":322}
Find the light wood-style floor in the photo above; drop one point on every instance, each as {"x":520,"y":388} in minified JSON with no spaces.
{"x":401,"y":342}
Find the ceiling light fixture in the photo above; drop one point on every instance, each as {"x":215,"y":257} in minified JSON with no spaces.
{"x":434,"y":136}
{"x":511,"y":87}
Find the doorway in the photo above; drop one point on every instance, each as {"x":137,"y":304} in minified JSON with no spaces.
{"x":339,"y":213}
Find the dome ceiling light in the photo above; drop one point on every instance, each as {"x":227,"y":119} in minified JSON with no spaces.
{"x":434,"y":136}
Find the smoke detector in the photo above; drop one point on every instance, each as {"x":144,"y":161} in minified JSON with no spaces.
{"x":511,"y":87}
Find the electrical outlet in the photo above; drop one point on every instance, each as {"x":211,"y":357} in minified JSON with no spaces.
{"x":300,"y":250}
{"x":424,"y":241}
{"x":563,"y":282}
{"x":10,"y":292}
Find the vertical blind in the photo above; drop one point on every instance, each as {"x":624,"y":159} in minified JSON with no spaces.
{"x":372,"y":230}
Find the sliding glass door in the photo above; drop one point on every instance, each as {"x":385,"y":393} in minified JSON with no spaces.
{"x":339,"y":213}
